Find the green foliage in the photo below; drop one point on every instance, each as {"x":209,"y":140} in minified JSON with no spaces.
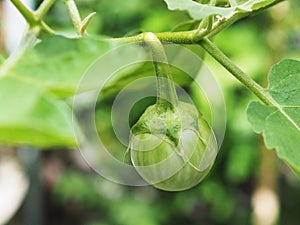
{"x":128,"y":209}
{"x":187,"y":25}
{"x":57,"y":64}
{"x":284,"y":85}
{"x":29,"y":116}
{"x":250,"y":49}
{"x":222,"y":201}
{"x":280,"y":123}
{"x":240,"y":163}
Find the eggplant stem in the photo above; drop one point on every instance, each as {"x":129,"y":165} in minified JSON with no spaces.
{"x":166,"y":92}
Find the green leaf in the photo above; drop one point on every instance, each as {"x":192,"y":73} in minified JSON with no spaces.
{"x":58,"y":63}
{"x":30,"y":113}
{"x":199,"y":11}
{"x":284,"y":83}
{"x":280,"y":124}
{"x":257,"y":4}
{"x":28,"y":116}
{"x":241,"y":161}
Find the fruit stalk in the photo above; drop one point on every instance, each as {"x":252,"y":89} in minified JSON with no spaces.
{"x":166,"y":92}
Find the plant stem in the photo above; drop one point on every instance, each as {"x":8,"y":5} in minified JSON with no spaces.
{"x":165,"y":87}
{"x":182,"y":37}
{"x":218,"y":55}
{"x":34,"y":19}
{"x":27,"y":41}
{"x":75,"y":16}
{"x":26,"y":13}
{"x":41,"y":12}
{"x":44,"y":8}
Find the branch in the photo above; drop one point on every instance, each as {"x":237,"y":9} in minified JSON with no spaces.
{"x":219,"y":56}
{"x":165,"y":87}
{"x":26,"y":13}
{"x":35,"y":19}
{"x":74,"y":13}
{"x":44,"y":8}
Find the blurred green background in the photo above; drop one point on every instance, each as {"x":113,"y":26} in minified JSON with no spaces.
{"x":237,"y":190}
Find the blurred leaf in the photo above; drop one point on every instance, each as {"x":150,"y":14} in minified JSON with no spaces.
{"x":280,"y":124}
{"x":199,"y":11}
{"x":107,"y":133}
{"x":131,"y":211}
{"x":75,"y":186}
{"x":250,"y":51}
{"x":186,"y":26}
{"x":241,"y":162}
{"x":159,"y":20}
{"x":133,"y":32}
{"x":221,"y":201}
{"x":58,"y":63}
{"x":29,"y":116}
